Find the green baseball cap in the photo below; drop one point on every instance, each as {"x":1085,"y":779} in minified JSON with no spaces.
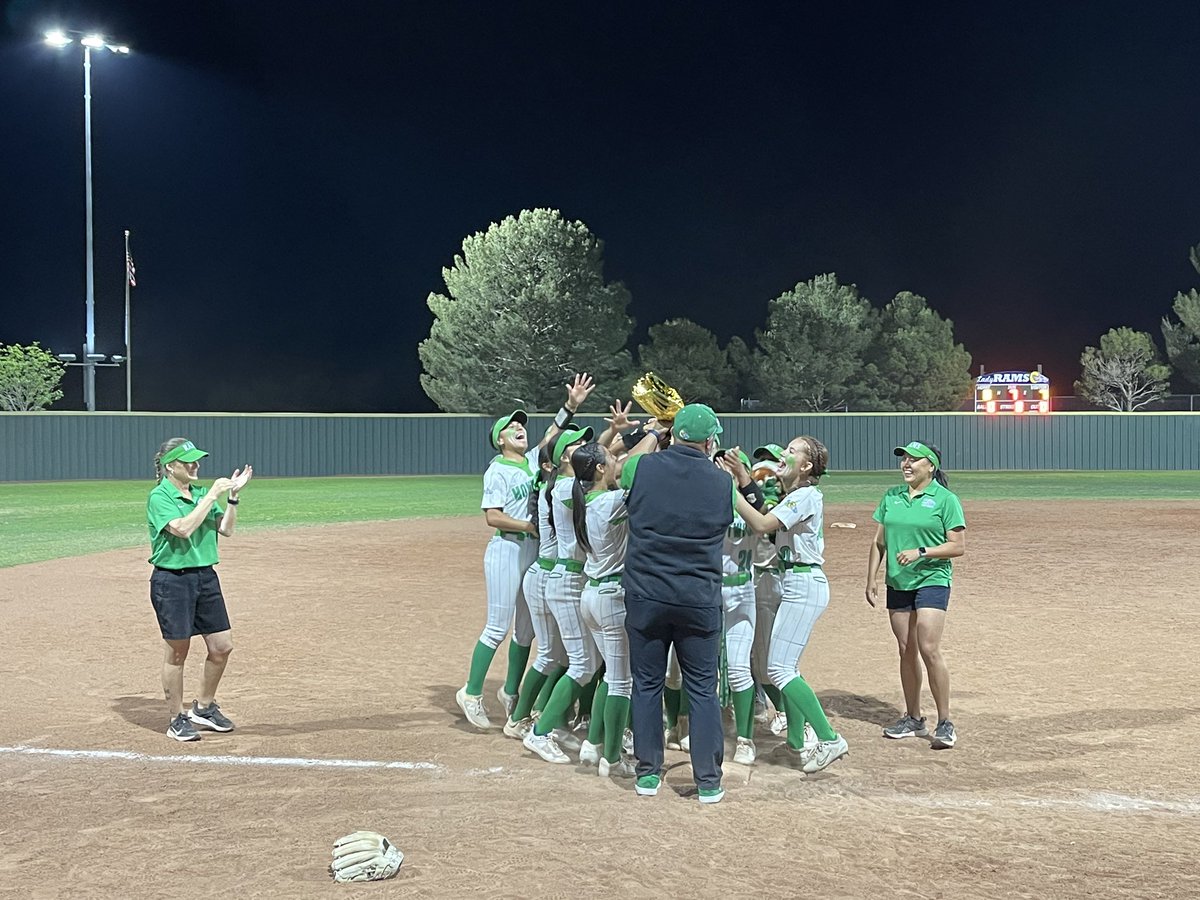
{"x":741,"y":455}
{"x":567,"y":438}
{"x":186,"y":452}
{"x":517,"y":415}
{"x":696,"y":423}
{"x":769,"y":451}
{"x":918,"y":450}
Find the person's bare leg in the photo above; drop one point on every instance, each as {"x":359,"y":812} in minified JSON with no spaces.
{"x":220,"y":645}
{"x":172,"y":675}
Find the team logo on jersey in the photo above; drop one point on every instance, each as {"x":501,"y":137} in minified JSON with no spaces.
{"x":929,"y":503}
{"x":521,"y":491}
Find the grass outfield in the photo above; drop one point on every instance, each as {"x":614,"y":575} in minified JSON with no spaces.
{"x":49,"y":520}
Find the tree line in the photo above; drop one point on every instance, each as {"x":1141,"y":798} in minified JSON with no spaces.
{"x":527,"y":304}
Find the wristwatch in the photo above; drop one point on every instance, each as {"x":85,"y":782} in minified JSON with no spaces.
{"x":921,"y":550}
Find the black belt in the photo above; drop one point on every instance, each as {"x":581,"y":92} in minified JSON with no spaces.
{"x":185,"y":571}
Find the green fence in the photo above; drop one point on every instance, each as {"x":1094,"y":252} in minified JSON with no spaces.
{"x":54,"y":446}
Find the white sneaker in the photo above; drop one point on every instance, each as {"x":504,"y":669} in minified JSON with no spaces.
{"x":517,"y":729}
{"x":544,"y":746}
{"x":810,"y":737}
{"x":567,"y":740}
{"x":472,"y":707}
{"x":507,"y":700}
{"x":778,"y":724}
{"x":825,"y":754}
{"x":685,"y":743}
{"x":627,"y":742}
{"x":746,"y":752}
{"x":622,"y":768}
{"x":582,"y":724}
{"x":589,"y":753}
{"x":672,"y":738}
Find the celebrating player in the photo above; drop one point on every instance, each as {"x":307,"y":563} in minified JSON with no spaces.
{"x":506,"y":486}
{"x":601,"y":529}
{"x":797,"y":521}
{"x":921,"y":529}
{"x":184,"y":520}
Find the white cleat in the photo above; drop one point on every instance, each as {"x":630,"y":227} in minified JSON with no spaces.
{"x":825,"y":754}
{"x":672,"y":738}
{"x":746,"y":752}
{"x":622,"y":768}
{"x":810,"y":738}
{"x":567,"y":740}
{"x":545,"y":747}
{"x":778,"y":724}
{"x":685,"y":743}
{"x":517,"y":730}
{"x":589,"y":753}
{"x":507,"y":700}
{"x":472,"y":707}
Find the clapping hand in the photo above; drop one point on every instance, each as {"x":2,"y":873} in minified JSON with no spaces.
{"x":240,"y":477}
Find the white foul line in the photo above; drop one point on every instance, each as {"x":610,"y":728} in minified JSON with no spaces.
{"x":296,"y":762}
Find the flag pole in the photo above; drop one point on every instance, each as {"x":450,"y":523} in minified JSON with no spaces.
{"x":128,"y":356}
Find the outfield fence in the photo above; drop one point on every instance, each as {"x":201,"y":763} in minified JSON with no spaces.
{"x":62,"y":446}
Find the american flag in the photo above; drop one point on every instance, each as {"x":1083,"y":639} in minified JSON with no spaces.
{"x":130,"y":271}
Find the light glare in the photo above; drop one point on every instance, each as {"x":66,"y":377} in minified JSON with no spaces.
{"x":94,"y":41}
{"x":57,"y":39}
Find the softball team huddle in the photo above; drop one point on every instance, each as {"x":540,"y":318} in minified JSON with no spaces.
{"x":553,"y":573}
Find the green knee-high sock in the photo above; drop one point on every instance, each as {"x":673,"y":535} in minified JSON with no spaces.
{"x":774,"y":696}
{"x":543,"y":696}
{"x":671,"y":700}
{"x":596,"y":726}
{"x":518,"y":659}
{"x":685,"y":705}
{"x":530,"y":689}
{"x":743,"y":712}
{"x":481,"y":659}
{"x":616,"y":710}
{"x":565,"y":693}
{"x":800,"y":697}
{"x":589,"y":692}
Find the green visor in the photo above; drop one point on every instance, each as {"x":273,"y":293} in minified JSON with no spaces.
{"x":186,"y":452}
{"x":769,"y":451}
{"x":917,"y":450}
{"x":567,"y":438}
{"x":517,"y":415}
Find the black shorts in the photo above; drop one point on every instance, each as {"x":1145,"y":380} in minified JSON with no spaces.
{"x":188,"y":602}
{"x":932,"y":596}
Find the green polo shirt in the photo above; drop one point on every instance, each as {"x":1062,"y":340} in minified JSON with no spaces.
{"x":167,"y":551}
{"x":920,"y":521}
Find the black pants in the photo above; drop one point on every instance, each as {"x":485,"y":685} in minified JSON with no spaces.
{"x":696,"y":633}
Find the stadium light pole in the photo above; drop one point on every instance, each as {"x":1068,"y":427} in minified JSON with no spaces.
{"x":59,"y":39}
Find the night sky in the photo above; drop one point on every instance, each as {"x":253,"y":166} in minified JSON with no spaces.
{"x":296,"y":175}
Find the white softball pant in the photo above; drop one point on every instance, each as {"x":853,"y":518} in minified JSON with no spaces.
{"x":504,"y":564}
{"x":767,"y":594}
{"x":739,"y":601}
{"x":550,"y":651}
{"x":805,"y":598}
{"x":674,"y":677}
{"x":603,"y":608}
{"x":564,"y":592}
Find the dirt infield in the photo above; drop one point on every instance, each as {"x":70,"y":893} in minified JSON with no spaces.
{"x":1071,"y":640}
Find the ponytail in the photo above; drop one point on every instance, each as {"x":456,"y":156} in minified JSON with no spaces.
{"x":938,"y":475}
{"x":584,"y":461}
{"x":550,"y":501}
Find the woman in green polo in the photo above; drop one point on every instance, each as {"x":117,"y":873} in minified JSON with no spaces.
{"x":921,"y":528}
{"x":184,"y":520}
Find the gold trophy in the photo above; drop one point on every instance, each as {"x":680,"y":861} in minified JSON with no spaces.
{"x":657,"y":398}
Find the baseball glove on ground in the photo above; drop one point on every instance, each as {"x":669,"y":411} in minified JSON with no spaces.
{"x":365,"y":856}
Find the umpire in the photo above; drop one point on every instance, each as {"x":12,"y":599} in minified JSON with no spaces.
{"x":680,"y":506}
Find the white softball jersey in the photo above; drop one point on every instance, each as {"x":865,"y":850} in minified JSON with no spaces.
{"x":608,"y":530}
{"x":547,"y":539}
{"x":740,"y":546}
{"x":802,"y":538}
{"x":564,"y":524}
{"x":506,"y":485}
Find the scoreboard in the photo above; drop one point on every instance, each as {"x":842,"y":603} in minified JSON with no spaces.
{"x":1012,"y":393}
